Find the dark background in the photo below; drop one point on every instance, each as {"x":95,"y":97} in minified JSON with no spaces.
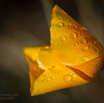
{"x":26,"y":23}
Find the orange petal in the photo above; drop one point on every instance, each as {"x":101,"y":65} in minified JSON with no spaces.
{"x":45,"y":58}
{"x":31,"y":54}
{"x":90,"y":68}
{"x":71,"y":43}
{"x":56,"y":78}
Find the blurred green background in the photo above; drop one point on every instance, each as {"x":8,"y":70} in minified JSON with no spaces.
{"x":26,"y":23}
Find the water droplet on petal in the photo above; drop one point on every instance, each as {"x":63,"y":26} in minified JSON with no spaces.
{"x":85,"y":59}
{"x":69,"y":85}
{"x":47,"y":47}
{"x":60,"y":17}
{"x":59,"y":24}
{"x":95,"y":65}
{"x":63,"y":38}
{"x":75,"y":43}
{"x":82,"y":28}
{"x":57,"y":79}
{"x":70,"y":24}
{"x":75,"y":26}
{"x":84,"y":48}
{"x":51,"y":34}
{"x":41,"y":79}
{"x":73,"y":35}
{"x":96,"y":49}
{"x":48,"y":79}
{"x":83,"y":41}
{"x":35,"y":90}
{"x":74,"y":75}
{"x":49,"y":50}
{"x":53,"y":77}
{"x":50,"y":84}
{"x":44,"y":89}
{"x":67,"y":77}
{"x":74,"y":81}
{"x":92,"y":75}
{"x":64,"y":30}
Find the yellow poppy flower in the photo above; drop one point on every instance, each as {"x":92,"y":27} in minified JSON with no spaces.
{"x":75,"y":57}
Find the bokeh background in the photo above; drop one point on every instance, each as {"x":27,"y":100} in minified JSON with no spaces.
{"x":26,"y":23}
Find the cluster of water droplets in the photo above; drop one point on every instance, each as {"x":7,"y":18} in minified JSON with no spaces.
{"x":74,"y":36}
{"x":41,"y":79}
{"x":83,"y":41}
{"x":52,"y":79}
{"x":47,"y":48}
{"x":70,"y":77}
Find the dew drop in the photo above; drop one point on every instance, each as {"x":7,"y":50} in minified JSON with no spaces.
{"x":50,"y":84}
{"x":52,"y":68}
{"x":41,"y":79}
{"x":66,"y":26}
{"x":64,"y":30}
{"x":75,"y":43}
{"x":85,"y":59}
{"x":59,"y":24}
{"x":49,"y":50}
{"x":79,"y":55}
{"x":92,"y":75}
{"x":63,"y":38}
{"x":60,"y":17}
{"x":51,"y":34}
{"x":73,"y":35}
{"x":74,"y":81}
{"x":67,"y":77}
{"x":53,"y":77}
{"x":66,"y":20}
{"x":75,"y":26}
{"x":47,"y":47}
{"x":74,"y":75}
{"x":89,"y":53}
{"x":35,"y":90}
{"x":83,"y":41}
{"x":96,"y":49}
{"x":69,"y":85}
{"x":82,"y":28}
{"x":70,"y":24}
{"x":48,"y":79}
{"x":84,"y":48}
{"x":60,"y":74}
{"x":44,"y":89}
{"x":57,"y":79}
{"x":95,"y":65}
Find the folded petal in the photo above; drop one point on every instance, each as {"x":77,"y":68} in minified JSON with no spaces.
{"x":90,"y":68}
{"x":31,"y":54}
{"x":58,"y":77}
{"x":71,"y":43}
